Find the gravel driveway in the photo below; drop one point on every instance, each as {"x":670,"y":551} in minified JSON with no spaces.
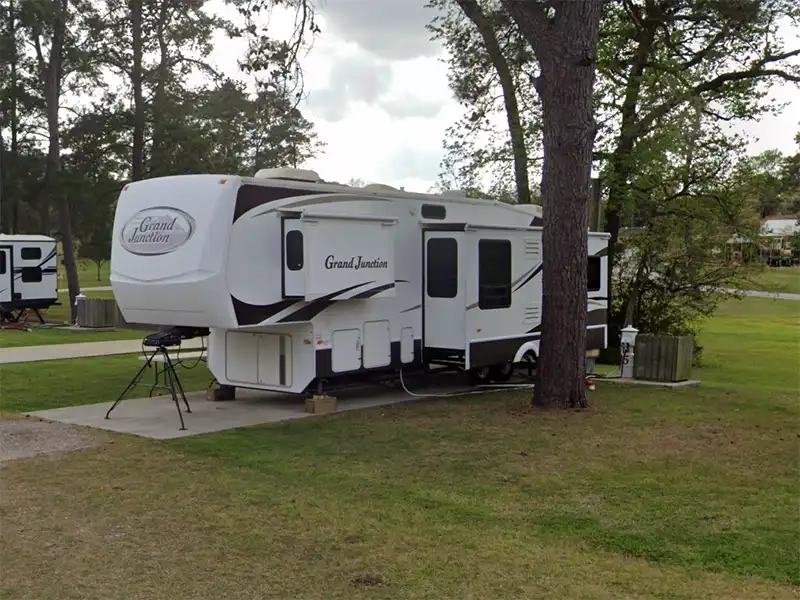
{"x":26,"y":438}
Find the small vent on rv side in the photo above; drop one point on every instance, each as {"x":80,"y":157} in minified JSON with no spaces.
{"x":532,"y":247}
{"x":533,"y":314}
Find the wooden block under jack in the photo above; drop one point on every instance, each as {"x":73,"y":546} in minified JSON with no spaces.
{"x":221,"y":393}
{"x":320,"y":403}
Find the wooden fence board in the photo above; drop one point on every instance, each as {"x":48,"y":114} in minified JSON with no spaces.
{"x":663,"y":357}
{"x":97,"y":313}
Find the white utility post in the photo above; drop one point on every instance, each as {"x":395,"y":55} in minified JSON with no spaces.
{"x":628,"y":343}
{"x":79,"y":298}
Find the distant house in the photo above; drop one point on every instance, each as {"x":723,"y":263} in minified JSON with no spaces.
{"x":780,"y":227}
{"x":774,"y":246}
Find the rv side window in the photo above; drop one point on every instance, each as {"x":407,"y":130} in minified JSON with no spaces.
{"x":593,"y":275}
{"x":2,"y":263}
{"x":31,"y":254}
{"x":31,"y":274}
{"x":442,"y":268}
{"x":294,"y":250}
{"x":494,"y":274}
{"x":433,"y":211}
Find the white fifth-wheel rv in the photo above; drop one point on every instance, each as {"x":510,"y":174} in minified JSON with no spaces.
{"x":301,"y":281}
{"x":28,"y":273}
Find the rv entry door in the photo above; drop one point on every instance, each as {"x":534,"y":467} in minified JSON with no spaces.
{"x":444,"y":318}
{"x":5,"y":274}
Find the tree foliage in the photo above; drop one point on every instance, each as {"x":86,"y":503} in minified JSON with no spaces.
{"x":94,"y":93}
{"x":673,"y":76}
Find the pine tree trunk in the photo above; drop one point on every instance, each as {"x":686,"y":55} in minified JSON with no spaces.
{"x":621,"y":167}
{"x":11,"y":193}
{"x":473,"y":11}
{"x":137,"y":162}
{"x":565,"y":44}
{"x":53,"y":185}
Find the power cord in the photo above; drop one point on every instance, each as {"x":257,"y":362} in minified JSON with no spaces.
{"x":520,"y":386}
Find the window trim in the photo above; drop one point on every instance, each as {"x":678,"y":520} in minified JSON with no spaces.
{"x":289,"y":247}
{"x":428,"y":255}
{"x":483,"y":302}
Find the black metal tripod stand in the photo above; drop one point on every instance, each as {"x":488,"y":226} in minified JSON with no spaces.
{"x":173,"y":382}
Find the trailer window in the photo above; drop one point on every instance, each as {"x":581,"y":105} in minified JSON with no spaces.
{"x":433,"y":211}
{"x":593,"y":275}
{"x":31,"y":274}
{"x":31,"y":254}
{"x":294,"y":250}
{"x":2,"y":263}
{"x":494,"y":274}
{"x":442,"y":268}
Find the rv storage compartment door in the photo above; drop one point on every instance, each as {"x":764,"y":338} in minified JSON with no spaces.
{"x":348,"y":257}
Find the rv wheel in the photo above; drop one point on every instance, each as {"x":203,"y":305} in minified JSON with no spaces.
{"x":528,"y":363}
{"x":501,"y":372}
{"x":479,"y":376}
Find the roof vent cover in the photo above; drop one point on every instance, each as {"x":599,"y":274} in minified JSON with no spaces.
{"x":290,"y":174}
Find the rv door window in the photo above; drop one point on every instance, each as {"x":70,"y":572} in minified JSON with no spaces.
{"x":442,"y":268}
{"x":593,"y":275}
{"x":294,"y":250}
{"x":31,"y":274}
{"x":31,"y":254}
{"x":2,"y":263}
{"x":494,"y":274}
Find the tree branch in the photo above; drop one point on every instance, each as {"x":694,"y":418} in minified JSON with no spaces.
{"x":756,"y":71}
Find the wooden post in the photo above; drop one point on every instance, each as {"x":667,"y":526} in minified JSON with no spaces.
{"x":320,"y":403}
{"x":221,"y":393}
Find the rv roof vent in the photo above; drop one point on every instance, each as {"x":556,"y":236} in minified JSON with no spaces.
{"x":380,"y":187}
{"x":454,"y":194}
{"x":291,"y":174}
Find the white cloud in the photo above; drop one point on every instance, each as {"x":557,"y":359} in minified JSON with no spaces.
{"x":390,"y":29}
{"x":379,"y":98}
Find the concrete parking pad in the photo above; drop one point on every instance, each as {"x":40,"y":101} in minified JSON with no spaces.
{"x":157,"y":417}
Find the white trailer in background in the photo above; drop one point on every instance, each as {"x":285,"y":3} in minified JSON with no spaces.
{"x":28,"y":274}
{"x":302,"y":281}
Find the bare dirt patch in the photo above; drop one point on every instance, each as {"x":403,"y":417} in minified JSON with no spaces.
{"x":26,"y":438}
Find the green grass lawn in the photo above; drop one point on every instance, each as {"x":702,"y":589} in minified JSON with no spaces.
{"x":40,"y":336}
{"x":87,"y":273}
{"x":775,"y":279}
{"x":649,"y":494}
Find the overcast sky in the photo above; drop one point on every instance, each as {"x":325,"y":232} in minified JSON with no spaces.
{"x":378,"y":95}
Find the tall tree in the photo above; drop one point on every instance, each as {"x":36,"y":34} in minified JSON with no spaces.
{"x":489,"y":62}
{"x":715,"y":52}
{"x":657,"y":59}
{"x":9,"y":156}
{"x":564,"y":36}
{"x":60,"y":32}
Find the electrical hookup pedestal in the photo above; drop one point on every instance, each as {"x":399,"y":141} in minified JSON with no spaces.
{"x":627,"y":346}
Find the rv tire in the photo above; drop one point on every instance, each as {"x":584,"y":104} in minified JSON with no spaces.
{"x":501,"y":373}
{"x":479,"y":375}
